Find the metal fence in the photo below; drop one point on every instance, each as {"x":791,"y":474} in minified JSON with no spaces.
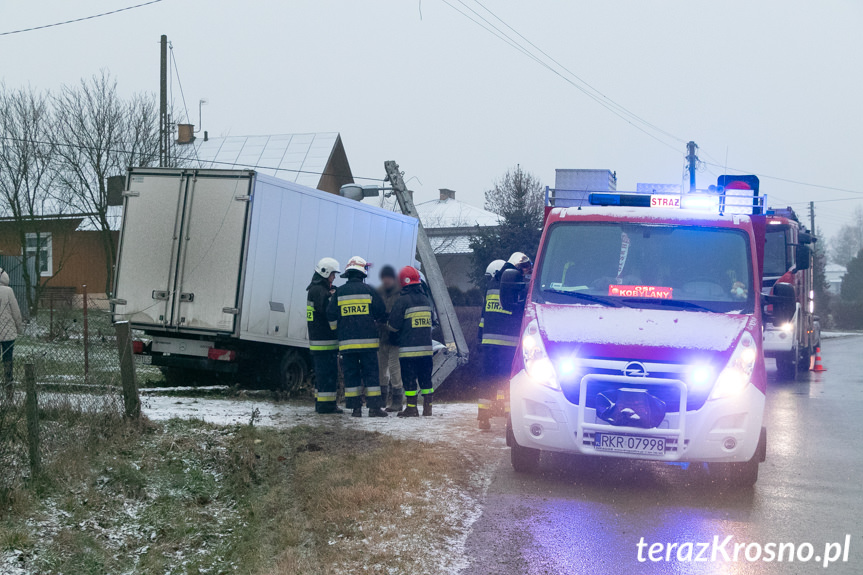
{"x":72,"y":345}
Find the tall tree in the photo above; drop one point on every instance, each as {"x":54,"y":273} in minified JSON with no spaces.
{"x":849,"y":240}
{"x":518,"y":198}
{"x":821,"y":286}
{"x":27,"y":174}
{"x":99,"y":134}
{"x":850,"y":313}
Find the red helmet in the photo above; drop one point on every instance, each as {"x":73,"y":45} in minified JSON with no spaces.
{"x":409,"y":276}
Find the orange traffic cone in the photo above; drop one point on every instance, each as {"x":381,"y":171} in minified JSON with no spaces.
{"x":818,"y":365}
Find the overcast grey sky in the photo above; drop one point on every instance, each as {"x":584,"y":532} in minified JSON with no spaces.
{"x":774,"y":84}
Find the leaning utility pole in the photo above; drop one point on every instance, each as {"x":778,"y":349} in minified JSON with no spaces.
{"x":691,"y":147}
{"x":163,"y":104}
{"x":457,"y":350}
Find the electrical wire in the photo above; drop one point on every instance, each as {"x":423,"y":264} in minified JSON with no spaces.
{"x":235,"y":164}
{"x":10,"y":32}
{"x":788,"y":180}
{"x":497,"y":32}
{"x":182,"y":94}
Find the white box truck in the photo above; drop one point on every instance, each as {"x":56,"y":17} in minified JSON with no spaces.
{"x":213,"y":266}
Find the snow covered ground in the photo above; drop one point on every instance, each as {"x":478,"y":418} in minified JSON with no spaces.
{"x":454,"y":424}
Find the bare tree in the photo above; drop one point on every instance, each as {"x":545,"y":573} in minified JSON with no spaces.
{"x":99,"y":135}
{"x":27,"y":174}
{"x":848,"y":242}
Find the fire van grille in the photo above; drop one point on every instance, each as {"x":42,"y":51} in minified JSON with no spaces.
{"x":667,"y":393}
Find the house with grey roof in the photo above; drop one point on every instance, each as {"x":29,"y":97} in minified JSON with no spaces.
{"x":449,"y":224}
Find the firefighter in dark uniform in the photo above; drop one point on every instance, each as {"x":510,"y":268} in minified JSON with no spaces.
{"x":500,"y":332}
{"x":411,"y":323}
{"x":355,"y":312}
{"x":323,"y":343}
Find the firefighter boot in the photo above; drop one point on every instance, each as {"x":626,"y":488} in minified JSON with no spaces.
{"x":395,"y":400}
{"x":377,"y":412}
{"x":427,"y":406}
{"x":357,"y":412}
{"x":484,"y":414}
{"x":410,"y":411}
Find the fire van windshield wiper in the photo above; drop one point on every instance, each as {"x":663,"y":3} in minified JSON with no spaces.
{"x":588,"y":297}
{"x":670,"y":303}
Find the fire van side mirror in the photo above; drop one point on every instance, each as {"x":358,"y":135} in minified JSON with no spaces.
{"x":513,"y":290}
{"x":784,"y":303}
{"x":804,"y":256}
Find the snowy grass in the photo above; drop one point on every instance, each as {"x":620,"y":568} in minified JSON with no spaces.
{"x":191,"y":497}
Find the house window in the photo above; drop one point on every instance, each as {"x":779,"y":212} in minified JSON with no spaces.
{"x":39,"y":247}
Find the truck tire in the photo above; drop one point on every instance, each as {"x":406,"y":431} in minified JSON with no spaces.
{"x":523,"y":459}
{"x":805,"y":359}
{"x":787,"y":365}
{"x":178,"y":376}
{"x":293,"y":374}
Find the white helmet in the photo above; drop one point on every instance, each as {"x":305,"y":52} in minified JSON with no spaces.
{"x":356,"y":264}
{"x":327,"y":266}
{"x":520,"y":261}
{"x":494,"y":267}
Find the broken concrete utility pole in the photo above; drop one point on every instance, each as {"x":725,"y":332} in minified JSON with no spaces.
{"x":457,"y":351}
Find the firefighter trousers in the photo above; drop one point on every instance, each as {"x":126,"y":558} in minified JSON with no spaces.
{"x":326,"y":365}
{"x":494,"y":393}
{"x":360,"y":369}
{"x":417,"y":378}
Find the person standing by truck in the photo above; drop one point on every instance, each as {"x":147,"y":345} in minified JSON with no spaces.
{"x":323,"y":341}
{"x":355,"y":311}
{"x":500,"y":334}
{"x":411,"y":323}
{"x":11,"y":324}
{"x":388,"y":354}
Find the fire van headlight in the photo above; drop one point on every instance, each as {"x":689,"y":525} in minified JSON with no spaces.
{"x":737,"y":374}
{"x":537,"y":364}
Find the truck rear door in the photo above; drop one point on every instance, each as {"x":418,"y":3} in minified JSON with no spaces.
{"x":181,"y":248}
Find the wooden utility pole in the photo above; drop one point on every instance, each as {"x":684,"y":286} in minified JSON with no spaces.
{"x":453,"y":336}
{"x":812,"y":218}
{"x":131,"y":399}
{"x":163,"y":103}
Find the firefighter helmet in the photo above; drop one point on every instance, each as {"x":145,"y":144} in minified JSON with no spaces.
{"x":409,"y":276}
{"x":356,"y":264}
{"x":520,"y":261}
{"x":326,"y":267}
{"x":494,"y":267}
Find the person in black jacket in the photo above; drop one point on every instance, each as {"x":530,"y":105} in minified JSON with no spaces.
{"x":323,"y":342}
{"x":355,"y":312}
{"x":411,"y":322}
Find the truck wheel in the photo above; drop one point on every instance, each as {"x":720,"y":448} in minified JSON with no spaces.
{"x":523,"y":459}
{"x":178,"y":376}
{"x":805,"y":359}
{"x":293,"y":375}
{"x":787,"y":365}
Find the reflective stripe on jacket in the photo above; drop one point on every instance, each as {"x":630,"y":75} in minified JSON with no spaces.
{"x":499,"y":326}
{"x":321,"y":336}
{"x":411,"y":319}
{"x":354,"y":312}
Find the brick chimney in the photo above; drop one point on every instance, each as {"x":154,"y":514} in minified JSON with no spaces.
{"x":446,"y":194}
{"x":185,"y":134}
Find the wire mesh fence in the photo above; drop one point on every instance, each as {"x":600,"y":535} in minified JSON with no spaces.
{"x":72,"y":345}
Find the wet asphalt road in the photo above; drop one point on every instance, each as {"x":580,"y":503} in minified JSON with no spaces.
{"x":586,"y":516}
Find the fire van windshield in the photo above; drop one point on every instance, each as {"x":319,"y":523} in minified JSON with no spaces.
{"x":647,"y":266}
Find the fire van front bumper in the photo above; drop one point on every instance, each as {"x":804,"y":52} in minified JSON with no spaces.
{"x":779,"y":339}
{"x":726,"y":429}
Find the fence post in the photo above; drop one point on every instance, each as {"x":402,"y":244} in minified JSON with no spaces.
{"x":31,"y":407}
{"x":131,"y":399}
{"x":86,"y":337}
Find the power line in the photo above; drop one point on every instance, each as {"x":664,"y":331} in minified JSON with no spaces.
{"x":235,"y":164}
{"x":182,"y":95}
{"x":498,"y":33}
{"x":788,"y":180}
{"x":79,"y":19}
{"x":582,"y":80}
